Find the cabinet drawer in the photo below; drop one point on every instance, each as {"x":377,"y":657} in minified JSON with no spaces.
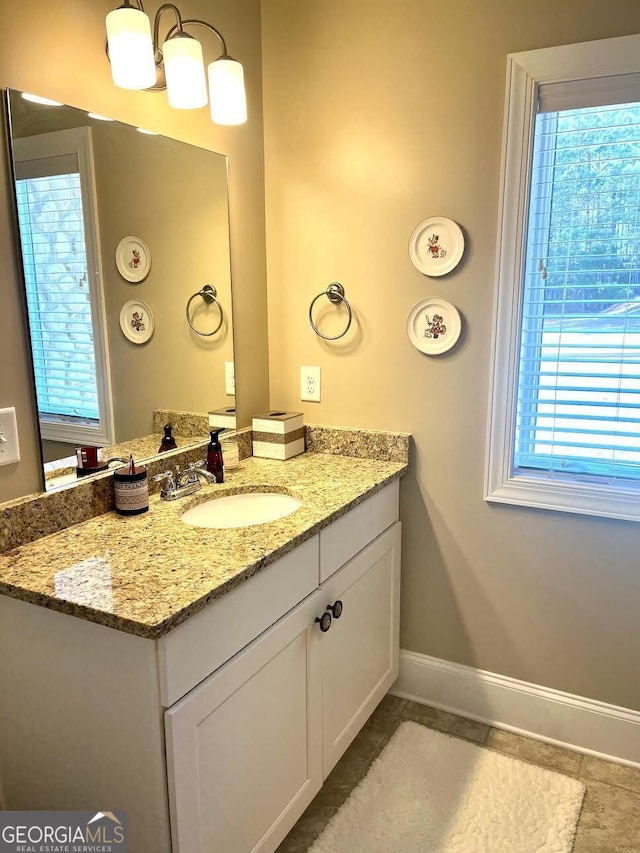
{"x":195,"y":649}
{"x":344,"y":538}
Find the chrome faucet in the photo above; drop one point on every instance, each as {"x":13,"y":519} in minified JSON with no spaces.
{"x":183,"y":483}
{"x":195,"y":470}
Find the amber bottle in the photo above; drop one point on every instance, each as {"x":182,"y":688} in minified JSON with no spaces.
{"x":215,"y":464}
{"x":168,"y":441}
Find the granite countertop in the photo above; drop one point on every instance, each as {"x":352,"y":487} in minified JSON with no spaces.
{"x":147,"y":574}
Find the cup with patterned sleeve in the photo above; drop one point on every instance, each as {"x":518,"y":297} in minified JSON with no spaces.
{"x":131,"y":490}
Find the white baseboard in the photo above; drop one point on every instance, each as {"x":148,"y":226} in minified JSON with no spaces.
{"x":573,"y":722}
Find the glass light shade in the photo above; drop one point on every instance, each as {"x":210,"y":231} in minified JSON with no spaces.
{"x":130,"y":48}
{"x":226,"y":91}
{"x":184,"y":72}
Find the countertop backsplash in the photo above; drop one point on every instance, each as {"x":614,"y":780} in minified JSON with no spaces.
{"x":361,"y":443}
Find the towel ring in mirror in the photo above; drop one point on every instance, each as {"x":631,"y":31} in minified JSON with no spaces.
{"x":335,"y":294}
{"x":209,"y":294}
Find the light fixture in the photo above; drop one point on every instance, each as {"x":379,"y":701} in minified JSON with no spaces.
{"x":184,"y":72}
{"x":99,"y":117}
{"x":130,"y":48}
{"x":226,"y":89}
{"x":140,"y":61}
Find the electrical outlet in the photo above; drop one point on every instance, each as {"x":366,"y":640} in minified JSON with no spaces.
{"x":310,"y":384}
{"x":229,"y":378}
{"x":9,"y":446}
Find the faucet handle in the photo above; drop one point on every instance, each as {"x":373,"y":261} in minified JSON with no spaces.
{"x":166,"y":478}
{"x":196,"y":470}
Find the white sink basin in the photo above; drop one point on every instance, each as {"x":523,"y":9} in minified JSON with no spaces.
{"x":241,"y":510}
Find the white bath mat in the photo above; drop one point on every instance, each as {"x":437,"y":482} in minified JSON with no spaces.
{"x":431,"y":793}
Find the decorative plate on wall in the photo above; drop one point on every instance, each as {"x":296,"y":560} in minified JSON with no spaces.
{"x":136,"y":321}
{"x":436,"y":245}
{"x":433,"y":326}
{"x":133,"y":259}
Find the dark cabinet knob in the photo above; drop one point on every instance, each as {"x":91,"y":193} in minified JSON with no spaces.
{"x":325,"y":622}
{"x":336,"y":609}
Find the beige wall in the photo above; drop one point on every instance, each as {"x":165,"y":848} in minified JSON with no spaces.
{"x":56,"y":48}
{"x":378,"y":115}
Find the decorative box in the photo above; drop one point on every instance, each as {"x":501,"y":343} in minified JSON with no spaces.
{"x":222,"y":419}
{"x":278,"y":435}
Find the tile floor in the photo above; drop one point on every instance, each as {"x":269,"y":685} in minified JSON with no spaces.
{"x":610,"y":817}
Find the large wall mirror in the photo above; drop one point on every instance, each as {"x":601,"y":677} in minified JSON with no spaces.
{"x":120,"y":230}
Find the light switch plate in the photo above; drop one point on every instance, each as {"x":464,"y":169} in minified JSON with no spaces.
{"x":9,"y":445}
{"x":310,"y":384}
{"x":229,"y":378}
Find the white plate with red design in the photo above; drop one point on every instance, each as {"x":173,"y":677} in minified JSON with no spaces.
{"x":136,"y":321}
{"x":436,"y":245}
{"x":133,"y":259}
{"x":433,"y":326}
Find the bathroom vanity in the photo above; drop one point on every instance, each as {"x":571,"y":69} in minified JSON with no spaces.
{"x":204,"y":681}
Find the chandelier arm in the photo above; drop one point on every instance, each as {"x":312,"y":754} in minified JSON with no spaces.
{"x":205,"y":24}
{"x":156,"y":24}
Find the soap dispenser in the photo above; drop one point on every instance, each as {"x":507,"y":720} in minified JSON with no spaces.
{"x":168,"y":441}
{"x":215,"y":464}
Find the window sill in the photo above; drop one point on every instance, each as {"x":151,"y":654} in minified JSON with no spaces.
{"x":74,"y":434}
{"x":606,"y":501}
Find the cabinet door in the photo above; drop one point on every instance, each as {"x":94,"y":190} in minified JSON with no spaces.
{"x":244,"y":748}
{"x":359,"y":654}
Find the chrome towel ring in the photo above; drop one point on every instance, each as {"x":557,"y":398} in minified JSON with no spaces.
{"x":209,"y":294}
{"x":335,"y":294}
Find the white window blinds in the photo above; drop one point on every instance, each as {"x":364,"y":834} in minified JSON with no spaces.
{"x":578,"y":402}
{"x":590,"y":92}
{"x":55,"y":266}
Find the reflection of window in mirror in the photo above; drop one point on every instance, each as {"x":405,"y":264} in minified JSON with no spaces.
{"x":58,"y":233}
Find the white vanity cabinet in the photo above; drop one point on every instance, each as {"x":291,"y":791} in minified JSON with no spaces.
{"x":249,"y":747}
{"x":258,"y":703}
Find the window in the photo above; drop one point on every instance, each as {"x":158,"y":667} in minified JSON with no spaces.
{"x":565,"y":420}
{"x":58,"y":235}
